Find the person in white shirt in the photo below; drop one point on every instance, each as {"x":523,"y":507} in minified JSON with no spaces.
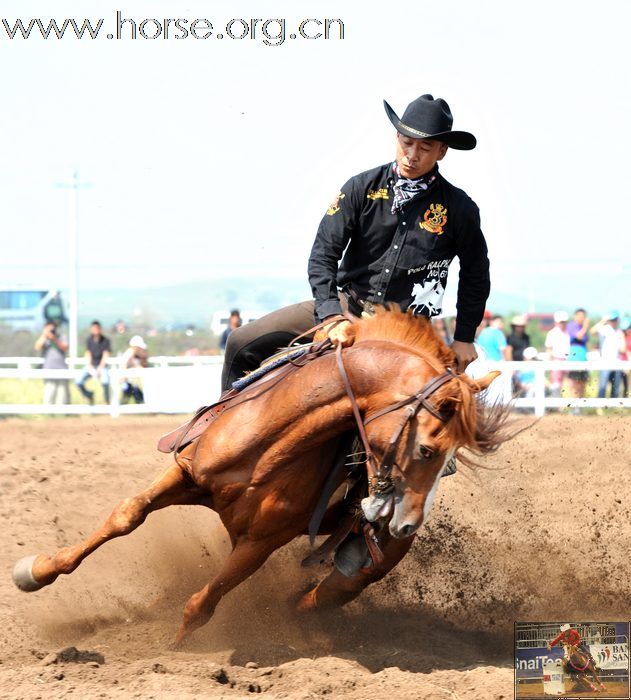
{"x":558,"y":348}
{"x":135,"y":356}
{"x":612,"y":347}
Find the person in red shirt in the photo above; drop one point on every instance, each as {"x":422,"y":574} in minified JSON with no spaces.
{"x":568,"y":635}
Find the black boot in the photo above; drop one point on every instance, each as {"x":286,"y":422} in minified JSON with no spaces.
{"x":351,"y":555}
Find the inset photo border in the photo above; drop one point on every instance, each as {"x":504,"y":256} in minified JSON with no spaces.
{"x":572,"y":659}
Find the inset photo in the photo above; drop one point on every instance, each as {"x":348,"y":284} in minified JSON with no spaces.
{"x":572,"y":659}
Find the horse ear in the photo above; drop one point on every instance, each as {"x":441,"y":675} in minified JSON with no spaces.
{"x":484,"y":382}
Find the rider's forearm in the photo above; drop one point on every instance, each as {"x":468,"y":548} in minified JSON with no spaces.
{"x":334,"y":234}
{"x":474,"y":284}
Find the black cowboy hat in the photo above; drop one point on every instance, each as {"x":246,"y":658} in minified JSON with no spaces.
{"x":427,"y":118}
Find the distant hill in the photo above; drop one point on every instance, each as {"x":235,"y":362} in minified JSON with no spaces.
{"x":195,"y":302}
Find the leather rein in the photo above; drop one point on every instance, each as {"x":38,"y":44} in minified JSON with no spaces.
{"x":379,"y":472}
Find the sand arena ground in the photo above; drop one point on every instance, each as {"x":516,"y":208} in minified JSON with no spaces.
{"x":542,"y":534}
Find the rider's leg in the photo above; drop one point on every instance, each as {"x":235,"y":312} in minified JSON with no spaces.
{"x":337,"y":589}
{"x":254,"y":342}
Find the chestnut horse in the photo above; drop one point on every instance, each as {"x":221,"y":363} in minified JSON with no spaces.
{"x":261,"y":465}
{"x":578,"y":664}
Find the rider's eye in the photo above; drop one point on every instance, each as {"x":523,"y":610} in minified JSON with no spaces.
{"x":426,"y":453}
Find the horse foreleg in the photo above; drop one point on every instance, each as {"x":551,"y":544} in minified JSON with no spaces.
{"x":596,"y":677}
{"x":171,"y":488}
{"x":246,"y":557}
{"x":337,"y":589}
{"x":582,"y":676}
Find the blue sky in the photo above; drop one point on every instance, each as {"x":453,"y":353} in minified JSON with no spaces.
{"x":211,"y":158}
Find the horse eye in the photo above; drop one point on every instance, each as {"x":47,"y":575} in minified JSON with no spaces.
{"x":426,"y":453}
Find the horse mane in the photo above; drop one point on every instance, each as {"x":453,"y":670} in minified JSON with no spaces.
{"x":415,"y":332}
{"x":473,"y":425}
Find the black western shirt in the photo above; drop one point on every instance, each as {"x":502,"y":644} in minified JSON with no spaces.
{"x":402,"y":257}
{"x":97,"y":347}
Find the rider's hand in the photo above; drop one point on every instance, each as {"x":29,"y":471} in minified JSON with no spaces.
{"x":337,"y":332}
{"x":465,"y":354}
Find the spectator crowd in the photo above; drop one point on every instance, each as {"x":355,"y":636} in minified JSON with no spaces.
{"x":575,"y":339}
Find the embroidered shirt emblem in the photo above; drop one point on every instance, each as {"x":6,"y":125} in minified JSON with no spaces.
{"x":334,"y":207}
{"x":378,"y":194}
{"x":434,"y":219}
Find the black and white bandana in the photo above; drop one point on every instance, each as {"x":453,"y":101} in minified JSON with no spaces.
{"x":405,"y":189}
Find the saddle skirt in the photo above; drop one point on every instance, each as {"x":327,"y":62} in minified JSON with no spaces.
{"x":276,"y":367}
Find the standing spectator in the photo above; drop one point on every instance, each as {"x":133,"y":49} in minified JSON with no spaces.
{"x":612,"y":347}
{"x":53,"y":349}
{"x":578,"y":329}
{"x":54,"y":310}
{"x":558,"y":348}
{"x":493,"y":341}
{"x":119,"y":327}
{"x":136,"y":355}
{"x":524,"y":383}
{"x":98,"y":349}
{"x":440,"y":326}
{"x":518,"y":340}
{"x":235,"y":321}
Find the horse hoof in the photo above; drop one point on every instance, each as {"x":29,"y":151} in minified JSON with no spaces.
{"x":23,"y":575}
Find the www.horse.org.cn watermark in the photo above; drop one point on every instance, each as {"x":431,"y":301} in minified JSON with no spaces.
{"x":271,"y":31}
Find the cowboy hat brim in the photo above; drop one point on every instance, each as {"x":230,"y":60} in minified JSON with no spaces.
{"x":460,"y":140}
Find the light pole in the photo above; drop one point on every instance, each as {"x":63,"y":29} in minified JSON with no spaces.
{"x":73,"y":262}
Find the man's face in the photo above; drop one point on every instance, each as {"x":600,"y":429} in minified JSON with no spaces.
{"x":415,"y":157}
{"x":579,"y":317}
{"x":95,"y":330}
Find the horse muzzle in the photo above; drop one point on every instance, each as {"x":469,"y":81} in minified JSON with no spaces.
{"x":406,"y":519}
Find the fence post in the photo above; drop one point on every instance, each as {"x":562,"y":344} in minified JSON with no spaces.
{"x":540,"y":391}
{"x":115,"y":392}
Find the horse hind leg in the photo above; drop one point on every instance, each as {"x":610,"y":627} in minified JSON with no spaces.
{"x":173,"y":487}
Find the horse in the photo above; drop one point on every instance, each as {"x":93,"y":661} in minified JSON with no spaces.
{"x":579,"y":664}
{"x":261,"y":465}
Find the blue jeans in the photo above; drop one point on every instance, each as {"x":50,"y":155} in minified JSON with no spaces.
{"x":104,"y":378}
{"x":605,"y":377}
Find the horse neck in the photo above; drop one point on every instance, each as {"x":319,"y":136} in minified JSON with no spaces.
{"x":382,"y":372}
{"x":374,"y":372}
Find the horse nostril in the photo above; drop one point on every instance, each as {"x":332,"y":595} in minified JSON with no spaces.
{"x":406,"y":530}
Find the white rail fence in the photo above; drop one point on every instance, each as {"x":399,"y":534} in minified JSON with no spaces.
{"x":183,"y":384}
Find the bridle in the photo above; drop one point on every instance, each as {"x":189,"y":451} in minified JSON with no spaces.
{"x":379,"y":472}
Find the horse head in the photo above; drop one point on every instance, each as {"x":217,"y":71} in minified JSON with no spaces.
{"x":427,"y":443}
{"x":445,"y":415}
